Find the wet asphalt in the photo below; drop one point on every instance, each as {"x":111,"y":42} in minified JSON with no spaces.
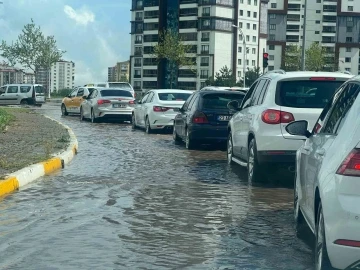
{"x":135,"y":201}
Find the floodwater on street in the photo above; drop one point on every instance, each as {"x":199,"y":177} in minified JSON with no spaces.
{"x":135,"y":201}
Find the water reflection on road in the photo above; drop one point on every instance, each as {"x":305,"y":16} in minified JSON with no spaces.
{"x":136,"y":201}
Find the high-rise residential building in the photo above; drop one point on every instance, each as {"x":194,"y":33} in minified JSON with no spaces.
{"x":205,"y":25}
{"x":42,"y":77}
{"x":111,"y":74}
{"x":29,"y":78}
{"x":122,"y":71}
{"x":334,"y":24}
{"x":62,"y":75}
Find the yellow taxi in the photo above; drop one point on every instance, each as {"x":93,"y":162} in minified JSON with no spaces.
{"x":71,"y":103}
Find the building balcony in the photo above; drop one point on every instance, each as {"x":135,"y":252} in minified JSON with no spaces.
{"x":204,"y":52}
{"x":137,"y":76}
{"x":205,"y":39}
{"x":137,"y":65}
{"x":138,"y":53}
{"x":204,"y":64}
{"x":138,"y":18}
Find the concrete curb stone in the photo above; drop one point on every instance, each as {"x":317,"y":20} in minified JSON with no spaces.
{"x":22,"y":177}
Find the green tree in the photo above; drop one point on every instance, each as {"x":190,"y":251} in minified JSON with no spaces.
{"x":224,"y":77}
{"x":32,"y":49}
{"x":123,"y":78}
{"x":292,"y":61}
{"x":170,"y":47}
{"x":315,"y":57}
{"x":251,"y":76}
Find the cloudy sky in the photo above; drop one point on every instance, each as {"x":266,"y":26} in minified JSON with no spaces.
{"x":94,"y":33}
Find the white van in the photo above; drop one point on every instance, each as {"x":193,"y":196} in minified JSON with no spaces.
{"x":22,"y":94}
{"x":114,"y":85}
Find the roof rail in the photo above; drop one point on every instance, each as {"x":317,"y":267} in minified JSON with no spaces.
{"x":280,"y":71}
{"x":345,"y":72}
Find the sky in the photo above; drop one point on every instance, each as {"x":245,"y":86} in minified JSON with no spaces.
{"x":94,"y":33}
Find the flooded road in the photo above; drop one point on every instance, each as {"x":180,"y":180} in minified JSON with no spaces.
{"x":135,"y":201}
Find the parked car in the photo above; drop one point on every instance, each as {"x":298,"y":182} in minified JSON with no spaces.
{"x":204,"y":117}
{"x":72,"y":103}
{"x":114,"y":85}
{"x":327,"y":181}
{"x":107,"y":103}
{"x":257,"y":134}
{"x":22,"y":94}
{"x":158,"y":108}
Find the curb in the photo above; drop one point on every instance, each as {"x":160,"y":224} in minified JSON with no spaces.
{"x":22,"y":177}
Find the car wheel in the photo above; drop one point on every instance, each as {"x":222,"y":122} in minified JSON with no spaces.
{"x":298,"y":216}
{"x":322,"y":261}
{"x":253,"y":167}
{"x":24,"y":103}
{"x":189,"y":143}
{"x":176,"y":137}
{"x":229,"y":149}
{"x":64,"y":112}
{"x":81,"y":114}
{"x":148,"y":129}
{"x":93,"y":118}
{"x":133,"y":123}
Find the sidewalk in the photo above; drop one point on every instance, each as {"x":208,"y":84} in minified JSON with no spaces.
{"x":28,"y":139}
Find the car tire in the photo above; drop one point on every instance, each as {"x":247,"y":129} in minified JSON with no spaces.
{"x":229,"y":150}
{"x":148,"y":129}
{"x":176,"y":137}
{"x":299,"y":219}
{"x":322,"y":260}
{"x":254,"y":169}
{"x":189,"y":143}
{"x":133,"y":123}
{"x":24,"y":102}
{"x":93,"y":118}
{"x":64,"y":112}
{"x":81,"y":114}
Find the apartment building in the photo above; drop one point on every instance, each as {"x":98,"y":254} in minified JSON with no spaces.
{"x":29,"y":78}
{"x":9,"y":74}
{"x":333,"y":23}
{"x":205,"y":25}
{"x":111,"y":74}
{"x":62,"y":75}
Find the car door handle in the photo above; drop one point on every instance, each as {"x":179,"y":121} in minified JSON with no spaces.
{"x":320,"y":152}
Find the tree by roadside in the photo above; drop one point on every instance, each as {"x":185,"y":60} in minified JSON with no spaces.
{"x":251,"y":76}
{"x":292,"y":61}
{"x":171,"y":48}
{"x":32,"y":49}
{"x":315,"y":57}
{"x":224,"y":77}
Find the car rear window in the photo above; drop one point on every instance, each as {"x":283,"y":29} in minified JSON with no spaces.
{"x":220,"y":100}
{"x":174,"y":96}
{"x":306,"y":94}
{"x":39,"y":89}
{"x":115,"y":93}
{"x":120,"y":85}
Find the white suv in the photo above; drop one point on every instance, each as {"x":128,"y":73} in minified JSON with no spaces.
{"x":257,"y":134}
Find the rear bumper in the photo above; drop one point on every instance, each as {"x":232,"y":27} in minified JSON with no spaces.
{"x":162,"y":121}
{"x":114,"y":114}
{"x":276,"y":156}
{"x":208,"y":133}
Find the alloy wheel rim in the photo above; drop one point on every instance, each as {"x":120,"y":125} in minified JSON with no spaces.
{"x":92,"y":117}
{"x":81,"y":114}
{"x":229,"y":150}
{"x":133,"y":120}
{"x":63,"y":109}
{"x":174,"y":134}
{"x":320,"y":243}
{"x":296,"y":204}
{"x":251,"y":162}
{"x":147,"y":126}
{"x":187,"y":139}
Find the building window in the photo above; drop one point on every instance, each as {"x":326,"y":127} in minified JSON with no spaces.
{"x":204,"y":48}
{"x":272,"y":16}
{"x":253,"y":63}
{"x":255,"y":14}
{"x":204,"y":74}
{"x":349,"y":29}
{"x":239,"y":61}
{"x":348,"y":69}
{"x":204,"y":61}
{"x":271,"y":47}
{"x":240,"y":25}
{"x":240,"y":37}
{"x":349,"y":39}
{"x":272,"y":26}
{"x":205,"y":36}
{"x":248,"y":26}
{"x":240,"y":49}
{"x":241,"y":1}
{"x":317,"y":22}
{"x":247,"y":62}
{"x":247,"y":38}
{"x":273,"y":5}
{"x":347,"y":59}
{"x":271,"y":57}
{"x":137,"y":73}
{"x":239,"y":73}
{"x":318,"y":11}
{"x":349,"y":19}
{"x":249,"y":13}
{"x":254,"y":39}
{"x":138,"y":16}
{"x":254,"y":26}
{"x":348,"y":49}
{"x":317,"y":32}
{"x":249,"y":2}
{"x":255,"y":2}
{"x":206,"y":11}
{"x":137,"y":62}
{"x":253,"y":51}
{"x":138,"y":39}
{"x":241,"y":12}
{"x":350,"y":8}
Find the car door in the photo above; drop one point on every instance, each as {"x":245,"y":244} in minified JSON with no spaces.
{"x":78,"y":99}
{"x":238,"y":118}
{"x":87,"y":104}
{"x":139,"y":113}
{"x":2,"y":95}
{"x":69,"y":101}
{"x":318,"y":144}
{"x":179,"y":122}
{"x":12,"y":95}
{"x":147,"y":106}
{"x":186,"y":116}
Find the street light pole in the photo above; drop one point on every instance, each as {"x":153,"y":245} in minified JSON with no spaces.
{"x":244,"y":53}
{"x":303,"y":50}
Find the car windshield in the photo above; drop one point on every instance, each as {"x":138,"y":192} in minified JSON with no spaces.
{"x":220,"y":100}
{"x":306,"y":94}
{"x":120,"y":85}
{"x":115,"y":93}
{"x":174,"y":96}
{"x":39,"y":89}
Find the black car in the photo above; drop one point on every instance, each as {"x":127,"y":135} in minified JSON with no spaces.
{"x":204,"y":117}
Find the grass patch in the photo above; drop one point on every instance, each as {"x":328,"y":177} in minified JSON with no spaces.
{"x":5,"y":118}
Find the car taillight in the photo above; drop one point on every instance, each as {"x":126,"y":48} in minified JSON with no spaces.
{"x":199,"y":118}
{"x":160,"y":109}
{"x":351,"y":164}
{"x":317,"y":128}
{"x":349,"y":243}
{"x":131,"y":102}
{"x":274,"y":117}
{"x":322,"y":79}
{"x":103,"y":101}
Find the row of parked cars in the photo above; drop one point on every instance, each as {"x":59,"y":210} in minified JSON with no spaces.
{"x":305,"y":120}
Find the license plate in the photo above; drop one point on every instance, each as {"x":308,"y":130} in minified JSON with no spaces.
{"x":119,"y":106}
{"x":224,"y":117}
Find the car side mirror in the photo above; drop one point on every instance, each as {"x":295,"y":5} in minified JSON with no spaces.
{"x":298,"y":128}
{"x":233,"y":105}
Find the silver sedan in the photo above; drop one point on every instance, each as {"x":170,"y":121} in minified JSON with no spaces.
{"x":107,"y":103}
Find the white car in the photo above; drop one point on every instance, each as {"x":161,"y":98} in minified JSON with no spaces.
{"x":257,"y":134}
{"x":113,"y":85}
{"x":158,"y":108}
{"x":327,"y":182}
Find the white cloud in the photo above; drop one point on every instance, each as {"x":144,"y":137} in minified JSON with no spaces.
{"x":82,"y":16}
